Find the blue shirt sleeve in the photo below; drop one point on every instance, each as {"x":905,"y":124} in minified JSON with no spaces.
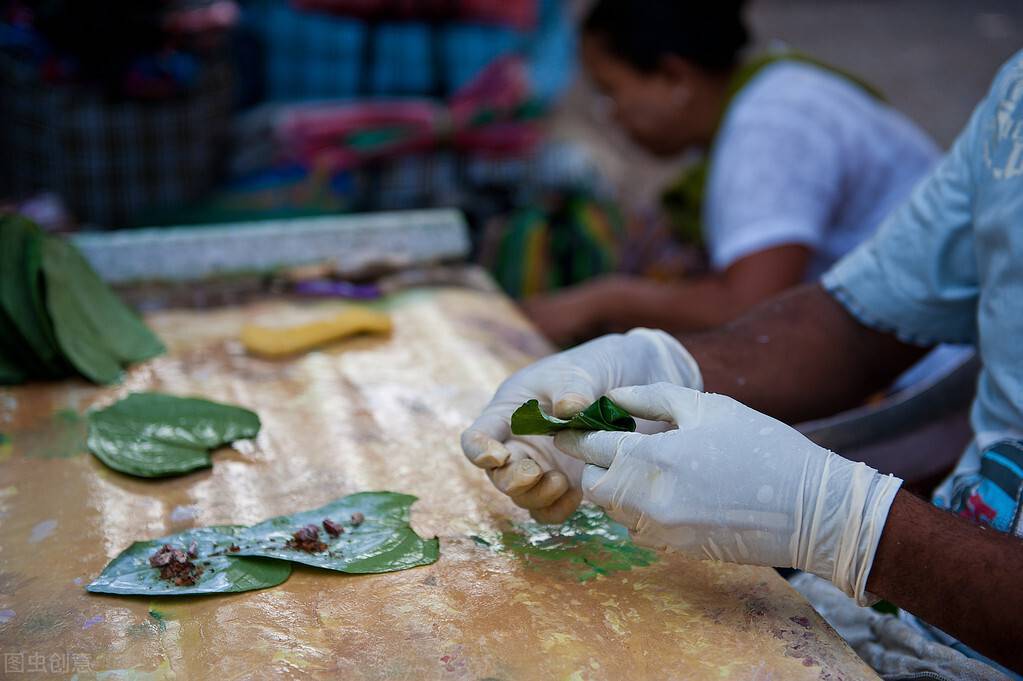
{"x":917,"y":276}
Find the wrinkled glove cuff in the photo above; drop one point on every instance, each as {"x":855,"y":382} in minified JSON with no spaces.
{"x":844,"y":523}
{"x":874,"y":517}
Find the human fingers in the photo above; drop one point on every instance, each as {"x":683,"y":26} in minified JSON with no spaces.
{"x":483,"y":441}
{"x":598,"y":448}
{"x":560,"y":510}
{"x":521,"y":471}
{"x":660,"y":402}
{"x":551,"y":486}
{"x":516,"y":476}
{"x":592,"y":490}
{"x":573,"y":394}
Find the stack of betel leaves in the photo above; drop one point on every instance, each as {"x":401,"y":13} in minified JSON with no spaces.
{"x":57,"y":317}
{"x":363,"y":533}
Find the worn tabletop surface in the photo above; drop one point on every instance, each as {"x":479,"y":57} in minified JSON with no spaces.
{"x":505,"y":601}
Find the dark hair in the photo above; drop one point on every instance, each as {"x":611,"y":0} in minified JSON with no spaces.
{"x":710,"y":33}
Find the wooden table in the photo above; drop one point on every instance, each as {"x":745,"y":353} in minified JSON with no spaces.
{"x":367,"y":414}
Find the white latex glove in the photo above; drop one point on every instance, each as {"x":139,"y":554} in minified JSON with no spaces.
{"x":530,"y":469}
{"x":733,"y":484}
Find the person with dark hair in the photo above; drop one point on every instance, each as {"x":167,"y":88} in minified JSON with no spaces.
{"x":800,"y":163}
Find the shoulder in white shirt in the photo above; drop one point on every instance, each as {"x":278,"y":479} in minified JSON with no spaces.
{"x":805,"y":156}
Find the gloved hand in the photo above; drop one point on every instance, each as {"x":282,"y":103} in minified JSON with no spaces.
{"x":733,"y":484}
{"x":530,"y":469}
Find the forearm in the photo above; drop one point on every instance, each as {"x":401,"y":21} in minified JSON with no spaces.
{"x":959,"y":577}
{"x":618,"y":303}
{"x":683,"y":306}
{"x":799,"y":356}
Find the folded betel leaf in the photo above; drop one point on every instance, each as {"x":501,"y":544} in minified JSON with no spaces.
{"x":29,"y":337}
{"x":198,"y":561}
{"x":154,"y":435}
{"x":96,"y":331}
{"x":363,"y":533}
{"x":530,"y":419}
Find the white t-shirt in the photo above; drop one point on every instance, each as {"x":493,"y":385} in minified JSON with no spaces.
{"x":804,"y":156}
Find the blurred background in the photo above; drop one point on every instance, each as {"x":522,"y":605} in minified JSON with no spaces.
{"x":150,"y":113}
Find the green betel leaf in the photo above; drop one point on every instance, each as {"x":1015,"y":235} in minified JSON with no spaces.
{"x":211,"y":568}
{"x":11,"y":370}
{"x":15,"y":365}
{"x":530,"y":419}
{"x":96,"y":331}
{"x":153,"y":435}
{"x":10,"y":375}
{"x":362,"y":533}
{"x":369,"y":533}
{"x":28,"y":330}
{"x":603,"y":415}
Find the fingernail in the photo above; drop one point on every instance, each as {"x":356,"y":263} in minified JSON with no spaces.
{"x":522,"y":475}
{"x":527,"y":467}
{"x":494,"y":456}
{"x":570,"y":405}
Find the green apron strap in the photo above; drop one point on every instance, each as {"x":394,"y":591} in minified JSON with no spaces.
{"x":682,"y":200}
